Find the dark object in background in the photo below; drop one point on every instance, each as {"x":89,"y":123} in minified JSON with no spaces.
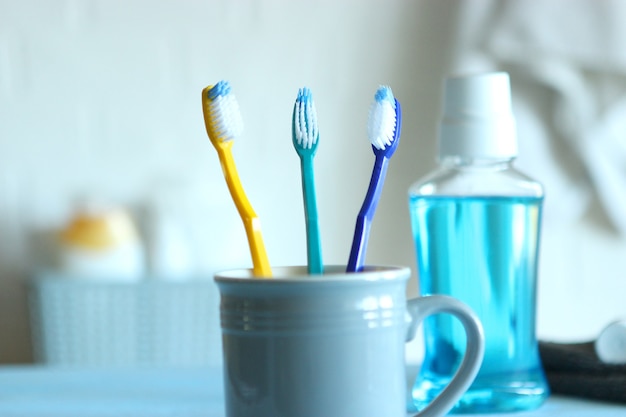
{"x":574,"y":369}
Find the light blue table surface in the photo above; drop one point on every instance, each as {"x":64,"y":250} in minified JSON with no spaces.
{"x":38,"y":391}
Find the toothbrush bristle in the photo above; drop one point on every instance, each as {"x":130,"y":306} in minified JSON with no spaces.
{"x":305,"y":120}
{"x":381,"y":124}
{"x":224,"y":112}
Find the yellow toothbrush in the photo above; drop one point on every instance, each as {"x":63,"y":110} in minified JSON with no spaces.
{"x":223,"y":123}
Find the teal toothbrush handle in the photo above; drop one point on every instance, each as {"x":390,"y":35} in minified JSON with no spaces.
{"x":314,"y":244}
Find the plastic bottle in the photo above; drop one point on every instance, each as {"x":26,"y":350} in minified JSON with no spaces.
{"x":168,"y":247}
{"x":476,"y":223}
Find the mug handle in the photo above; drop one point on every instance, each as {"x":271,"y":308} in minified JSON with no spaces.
{"x":421,"y":307}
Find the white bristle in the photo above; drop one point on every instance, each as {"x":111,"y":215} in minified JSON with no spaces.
{"x":227,"y":121}
{"x":381,"y":124}
{"x":306,"y":124}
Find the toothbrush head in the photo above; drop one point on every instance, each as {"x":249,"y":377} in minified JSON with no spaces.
{"x":221,"y":113}
{"x":304,"y":123}
{"x":384,"y":122}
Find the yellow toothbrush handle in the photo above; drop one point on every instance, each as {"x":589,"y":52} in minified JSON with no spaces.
{"x":251,"y":222}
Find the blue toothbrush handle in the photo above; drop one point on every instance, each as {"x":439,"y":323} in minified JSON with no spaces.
{"x":366,"y":214}
{"x":314,"y":244}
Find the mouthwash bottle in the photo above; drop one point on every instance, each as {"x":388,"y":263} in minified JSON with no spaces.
{"x":476,"y":222}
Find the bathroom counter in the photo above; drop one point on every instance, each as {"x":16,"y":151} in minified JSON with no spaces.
{"x":43,"y":391}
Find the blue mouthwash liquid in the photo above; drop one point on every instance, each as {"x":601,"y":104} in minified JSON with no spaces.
{"x":483,"y":251}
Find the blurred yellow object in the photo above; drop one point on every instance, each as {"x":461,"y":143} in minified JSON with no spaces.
{"x":101,"y":241}
{"x":99,"y":231}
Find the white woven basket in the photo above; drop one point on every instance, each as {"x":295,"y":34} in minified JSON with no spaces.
{"x":101,"y":323}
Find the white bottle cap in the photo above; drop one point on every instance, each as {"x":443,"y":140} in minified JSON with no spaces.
{"x":477,"y":117}
{"x":610,"y":346}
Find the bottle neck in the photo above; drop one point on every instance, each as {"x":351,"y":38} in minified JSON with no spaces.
{"x":477,"y":163}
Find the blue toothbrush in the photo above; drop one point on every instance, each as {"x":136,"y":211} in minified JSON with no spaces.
{"x":383,"y":127}
{"x":305,"y":138}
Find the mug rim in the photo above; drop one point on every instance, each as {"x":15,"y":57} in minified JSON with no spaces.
{"x":299,"y":274}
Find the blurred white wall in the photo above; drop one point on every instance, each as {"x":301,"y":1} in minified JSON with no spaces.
{"x":102,"y":97}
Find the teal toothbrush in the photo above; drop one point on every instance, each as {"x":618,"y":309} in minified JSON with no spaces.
{"x":305,"y":138}
{"x":383,"y":128}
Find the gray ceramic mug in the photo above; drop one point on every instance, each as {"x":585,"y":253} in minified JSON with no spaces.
{"x":331,"y":345}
